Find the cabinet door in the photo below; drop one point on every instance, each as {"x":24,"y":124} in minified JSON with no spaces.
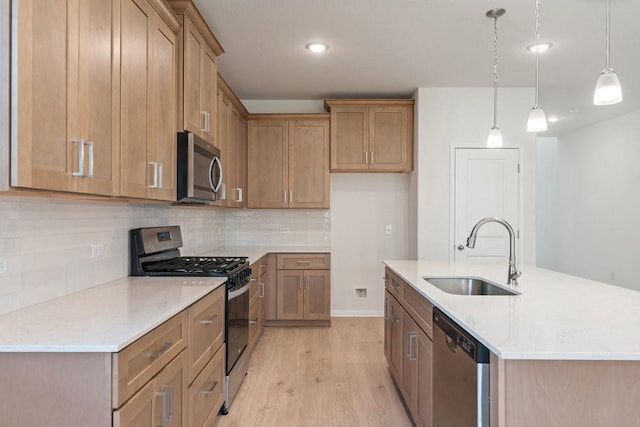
{"x":290,"y":295}
{"x":423,"y":415}
{"x":238,"y":160}
{"x":208,"y":94}
{"x":409,"y":377}
{"x":349,"y":138}
{"x":317,"y":286}
{"x":270,"y":289}
{"x":387,"y":326}
{"x":396,"y":353}
{"x":160,"y":402}
{"x":389,"y":138}
{"x":64,"y":84}
{"x":163,"y":109}
{"x":309,"y":163}
{"x":193,"y":68}
{"x":267,"y":163}
{"x":148,"y":103}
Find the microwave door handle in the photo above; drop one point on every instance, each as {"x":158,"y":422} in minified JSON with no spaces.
{"x":215,"y":187}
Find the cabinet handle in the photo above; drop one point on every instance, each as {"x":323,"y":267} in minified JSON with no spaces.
{"x":395,"y":285}
{"x":169,"y":390}
{"x":239,"y":198}
{"x":163,"y":395}
{"x":203,"y":121}
{"x":253,"y":321}
{"x":210,"y":320}
{"x":285,"y":197}
{"x":90,"y":145}
{"x":208,"y":122}
{"x":371,"y":157}
{"x":303,"y":262}
{"x":80,"y":143}
{"x":155,"y":354}
{"x":306,"y":282}
{"x":290,"y":196}
{"x":261,"y":290}
{"x":366,"y":157}
{"x":155,"y":175}
{"x":411,"y":336}
{"x":386,"y":305}
{"x":214,"y":384}
{"x":160,"y":174}
{"x":395,"y":319}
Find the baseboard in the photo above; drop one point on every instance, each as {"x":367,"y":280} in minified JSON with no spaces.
{"x":357,"y":313}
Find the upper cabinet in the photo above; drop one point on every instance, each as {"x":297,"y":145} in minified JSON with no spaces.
{"x":148,"y":78}
{"x":371,"y":135}
{"x":65,"y":99}
{"x":232,"y":141}
{"x":288,"y":161}
{"x":197,"y":75}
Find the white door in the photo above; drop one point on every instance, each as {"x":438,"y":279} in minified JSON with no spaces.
{"x":486,"y":184}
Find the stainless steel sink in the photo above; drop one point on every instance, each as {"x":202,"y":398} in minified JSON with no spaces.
{"x":468,"y":286}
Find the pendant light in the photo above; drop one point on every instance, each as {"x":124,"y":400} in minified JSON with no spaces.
{"x":537,"y":119}
{"x":495,"y":136}
{"x":608,"y":90}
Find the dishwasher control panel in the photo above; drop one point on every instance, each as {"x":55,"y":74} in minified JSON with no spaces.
{"x":458,"y":338}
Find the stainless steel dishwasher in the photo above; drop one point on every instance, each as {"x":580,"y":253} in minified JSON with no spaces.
{"x":460,"y":376}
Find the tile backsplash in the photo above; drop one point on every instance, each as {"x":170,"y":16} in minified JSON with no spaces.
{"x":47,"y":242}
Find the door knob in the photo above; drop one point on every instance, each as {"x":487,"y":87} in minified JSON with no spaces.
{"x":461,"y":247}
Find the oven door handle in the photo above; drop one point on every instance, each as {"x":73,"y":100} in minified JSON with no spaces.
{"x":238,"y":292}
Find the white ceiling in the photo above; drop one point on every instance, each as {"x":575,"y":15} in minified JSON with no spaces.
{"x":388,"y":48}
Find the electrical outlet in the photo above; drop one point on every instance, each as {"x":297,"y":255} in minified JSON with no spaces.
{"x":3,"y":265}
{"x":360,"y":293}
{"x":97,"y":250}
{"x":388,"y":229}
{"x":284,"y":231}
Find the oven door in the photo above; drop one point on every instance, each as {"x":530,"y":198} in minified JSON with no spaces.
{"x":237,"y":324}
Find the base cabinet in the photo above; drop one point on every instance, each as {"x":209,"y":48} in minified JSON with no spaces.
{"x":409,"y":348}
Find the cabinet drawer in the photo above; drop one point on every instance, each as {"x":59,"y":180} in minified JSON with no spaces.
{"x":393,"y":284}
{"x":140,"y":361}
{"x":205,"y":394}
{"x":303,"y":261}
{"x":206,"y":330}
{"x":419,"y":308}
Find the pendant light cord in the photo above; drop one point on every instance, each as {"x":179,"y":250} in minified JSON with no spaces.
{"x":607,"y":38}
{"x":495,"y":71}
{"x":537,"y":105}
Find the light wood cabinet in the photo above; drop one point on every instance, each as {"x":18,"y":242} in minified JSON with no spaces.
{"x":302,"y":294}
{"x":232,"y":141}
{"x":408,"y":346}
{"x":66,"y":102}
{"x":197,"y":72}
{"x":149,"y":101}
{"x":371,"y":135}
{"x":288,"y":161}
{"x":205,"y":394}
{"x":162,"y":401}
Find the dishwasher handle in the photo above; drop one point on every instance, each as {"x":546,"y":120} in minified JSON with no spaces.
{"x":457,"y":337}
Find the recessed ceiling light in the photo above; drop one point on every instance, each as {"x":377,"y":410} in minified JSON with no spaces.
{"x":317,"y":47}
{"x":539,"y":47}
{"x":553,"y":119}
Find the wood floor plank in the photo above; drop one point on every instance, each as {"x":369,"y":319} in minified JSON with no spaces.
{"x":335,"y":376}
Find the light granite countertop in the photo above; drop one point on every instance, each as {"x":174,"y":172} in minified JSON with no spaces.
{"x":108,"y":317}
{"x":105,"y":318}
{"x":556,"y":317}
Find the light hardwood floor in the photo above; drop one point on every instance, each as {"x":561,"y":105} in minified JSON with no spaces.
{"x":334,"y":376}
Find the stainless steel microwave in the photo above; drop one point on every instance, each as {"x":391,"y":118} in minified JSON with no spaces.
{"x":199,"y":170}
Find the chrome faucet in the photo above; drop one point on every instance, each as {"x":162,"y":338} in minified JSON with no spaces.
{"x":514,"y":273}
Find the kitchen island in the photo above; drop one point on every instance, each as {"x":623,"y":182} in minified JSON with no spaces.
{"x":564,"y":352}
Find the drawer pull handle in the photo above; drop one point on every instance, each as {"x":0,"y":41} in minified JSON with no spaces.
{"x":253,"y":321}
{"x":214,"y":384}
{"x":169,"y":389}
{"x":303,"y":262}
{"x":210,"y":320}
{"x":155,"y":354}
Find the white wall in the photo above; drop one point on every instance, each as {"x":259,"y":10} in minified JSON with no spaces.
{"x":449,"y":117}
{"x":597,"y":207}
{"x":546,"y":202}
{"x":47,"y":243}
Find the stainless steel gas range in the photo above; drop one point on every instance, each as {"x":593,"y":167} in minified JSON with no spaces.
{"x":155,"y":251}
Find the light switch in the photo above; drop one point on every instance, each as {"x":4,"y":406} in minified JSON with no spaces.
{"x":388,"y":229}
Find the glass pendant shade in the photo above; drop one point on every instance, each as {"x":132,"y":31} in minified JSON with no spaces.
{"x":495,"y":138}
{"x":537,"y":120}
{"x":608,"y":90}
